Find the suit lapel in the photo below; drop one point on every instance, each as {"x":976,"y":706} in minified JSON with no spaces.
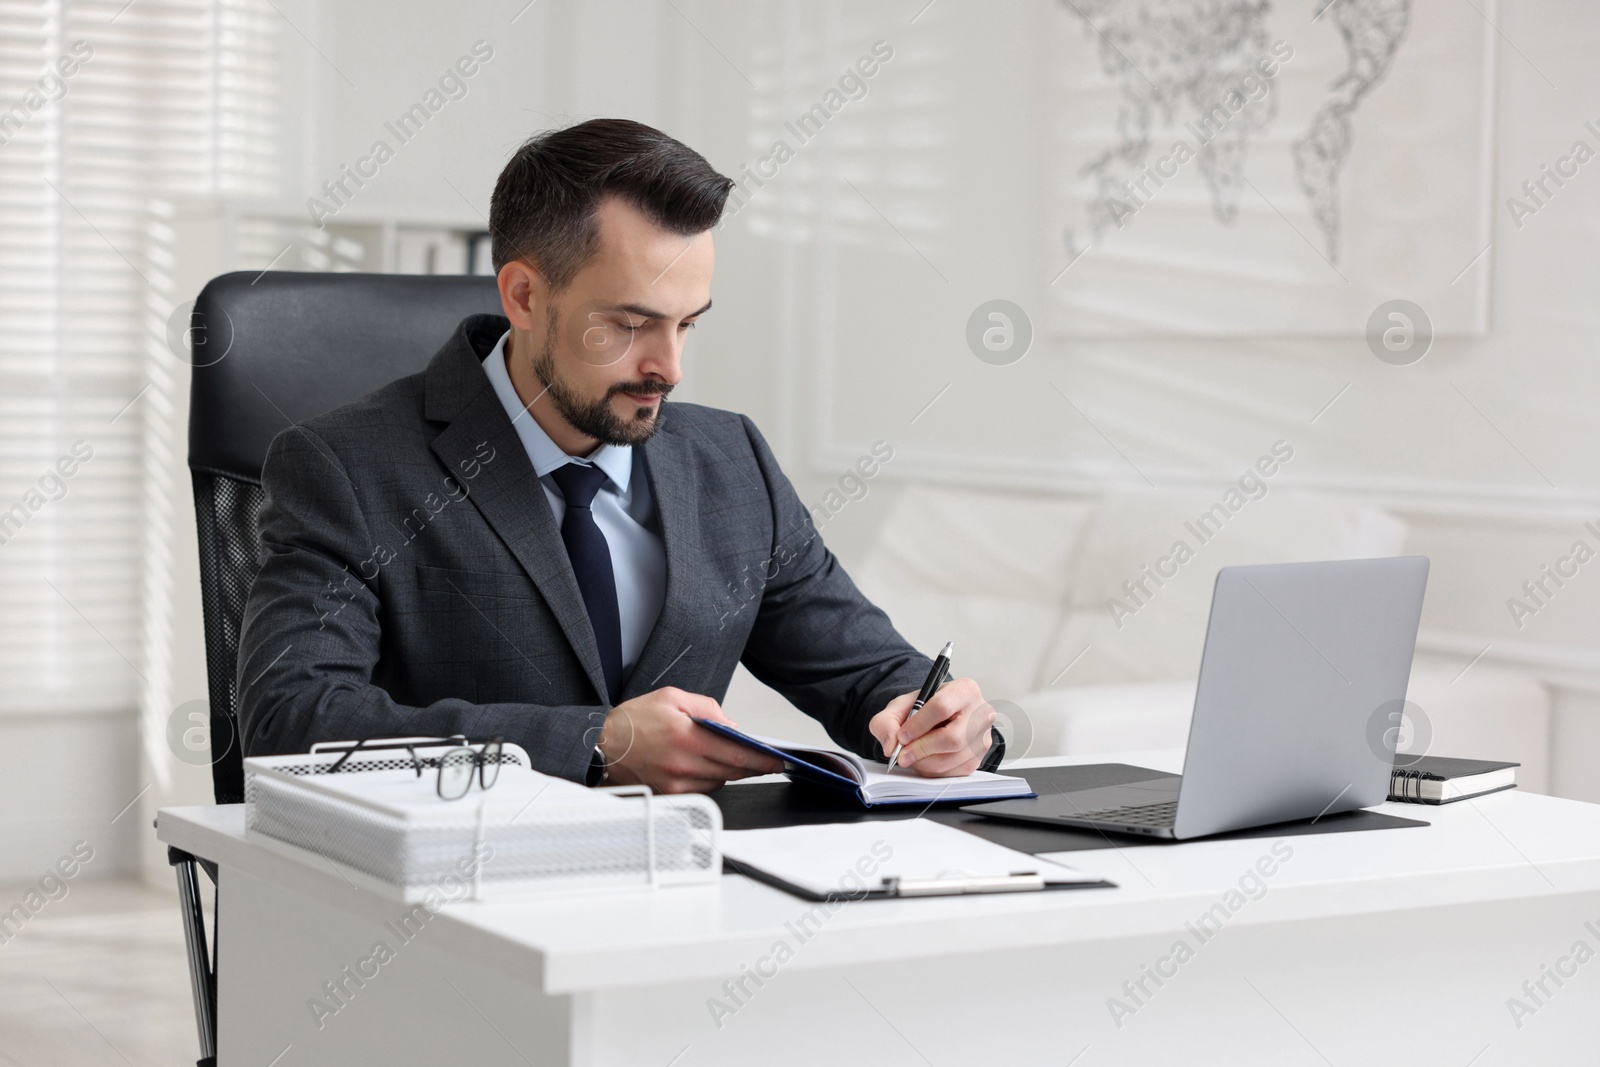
{"x":506,"y":492}
{"x":668,"y":465}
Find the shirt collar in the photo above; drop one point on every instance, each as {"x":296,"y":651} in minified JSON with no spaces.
{"x":545,"y":454}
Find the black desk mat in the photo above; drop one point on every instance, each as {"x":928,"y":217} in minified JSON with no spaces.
{"x":767,"y":804}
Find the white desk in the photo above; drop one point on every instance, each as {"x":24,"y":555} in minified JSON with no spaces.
{"x":1393,"y":946}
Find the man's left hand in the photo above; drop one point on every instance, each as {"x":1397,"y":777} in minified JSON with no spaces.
{"x":948,"y":736}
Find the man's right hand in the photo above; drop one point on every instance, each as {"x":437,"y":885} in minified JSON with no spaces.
{"x":652,"y":740}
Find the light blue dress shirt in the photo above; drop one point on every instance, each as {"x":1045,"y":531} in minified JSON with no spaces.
{"x":624,"y":510}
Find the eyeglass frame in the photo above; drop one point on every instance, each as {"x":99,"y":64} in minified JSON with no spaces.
{"x":481,"y":758}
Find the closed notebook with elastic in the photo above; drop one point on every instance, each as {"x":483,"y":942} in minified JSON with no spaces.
{"x":1446,"y":779}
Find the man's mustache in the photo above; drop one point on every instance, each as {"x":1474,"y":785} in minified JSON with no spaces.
{"x":639,"y":389}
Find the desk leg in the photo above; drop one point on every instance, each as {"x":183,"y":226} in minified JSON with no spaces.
{"x":201,"y":977}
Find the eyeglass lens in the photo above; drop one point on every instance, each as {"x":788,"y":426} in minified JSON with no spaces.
{"x":455,"y":773}
{"x":489,"y":769}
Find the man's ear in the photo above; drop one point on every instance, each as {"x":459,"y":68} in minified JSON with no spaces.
{"x":523,"y":295}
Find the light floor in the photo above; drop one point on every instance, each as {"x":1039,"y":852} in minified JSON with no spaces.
{"x":98,"y":978}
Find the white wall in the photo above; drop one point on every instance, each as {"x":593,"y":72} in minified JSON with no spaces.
{"x":832,"y":331}
{"x":869,"y":332}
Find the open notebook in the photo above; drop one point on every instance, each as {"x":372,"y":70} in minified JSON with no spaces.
{"x":872,"y":783}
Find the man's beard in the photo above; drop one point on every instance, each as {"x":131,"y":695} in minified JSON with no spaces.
{"x":594,"y":418}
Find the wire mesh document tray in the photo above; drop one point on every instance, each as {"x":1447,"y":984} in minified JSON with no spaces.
{"x":382,"y":825}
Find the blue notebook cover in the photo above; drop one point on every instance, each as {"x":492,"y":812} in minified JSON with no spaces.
{"x":803,"y":763}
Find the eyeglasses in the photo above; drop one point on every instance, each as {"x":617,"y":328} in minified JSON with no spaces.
{"x":457,"y":764}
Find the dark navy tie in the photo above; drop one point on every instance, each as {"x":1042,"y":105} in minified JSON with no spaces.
{"x":591,"y":563}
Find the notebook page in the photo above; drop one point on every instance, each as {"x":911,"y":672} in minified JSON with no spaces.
{"x":846,"y":763}
{"x":900,"y":782}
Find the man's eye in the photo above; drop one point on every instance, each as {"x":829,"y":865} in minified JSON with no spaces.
{"x":630,"y":328}
{"x":687,"y":325}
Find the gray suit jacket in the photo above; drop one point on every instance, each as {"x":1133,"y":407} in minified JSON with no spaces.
{"x":413,"y":581}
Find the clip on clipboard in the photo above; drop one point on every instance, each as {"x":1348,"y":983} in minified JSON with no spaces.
{"x":890,"y":859}
{"x":947,"y":885}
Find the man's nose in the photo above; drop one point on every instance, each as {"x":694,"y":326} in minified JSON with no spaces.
{"x":661,"y":359}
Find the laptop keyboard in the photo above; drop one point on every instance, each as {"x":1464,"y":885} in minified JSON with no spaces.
{"x":1160,"y":814}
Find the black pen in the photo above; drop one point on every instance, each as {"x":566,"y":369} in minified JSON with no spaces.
{"x":941,"y":664}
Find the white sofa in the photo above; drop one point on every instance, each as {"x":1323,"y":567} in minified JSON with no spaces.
{"x":1022,"y":584}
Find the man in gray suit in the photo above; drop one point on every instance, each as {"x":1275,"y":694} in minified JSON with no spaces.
{"x":527,"y":540}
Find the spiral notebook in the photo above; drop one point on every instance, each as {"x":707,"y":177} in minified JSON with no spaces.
{"x":1444,"y":779}
{"x":872,"y":783}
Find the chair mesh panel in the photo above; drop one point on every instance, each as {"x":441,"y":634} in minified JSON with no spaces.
{"x":225,"y":513}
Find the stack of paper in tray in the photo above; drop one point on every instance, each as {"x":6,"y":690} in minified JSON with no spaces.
{"x":529,"y":833}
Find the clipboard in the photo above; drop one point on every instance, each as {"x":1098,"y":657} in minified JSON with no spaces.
{"x":896,"y":888}
{"x":891,"y":860}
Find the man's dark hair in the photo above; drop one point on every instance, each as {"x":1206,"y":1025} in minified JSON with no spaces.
{"x":543,"y":208}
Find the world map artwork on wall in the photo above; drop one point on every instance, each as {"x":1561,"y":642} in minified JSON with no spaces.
{"x":1372,"y":32}
{"x":1266,"y":167}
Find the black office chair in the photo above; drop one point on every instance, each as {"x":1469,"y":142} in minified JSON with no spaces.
{"x":269,"y":350}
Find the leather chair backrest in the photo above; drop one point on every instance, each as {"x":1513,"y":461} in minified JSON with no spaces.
{"x":270,"y":349}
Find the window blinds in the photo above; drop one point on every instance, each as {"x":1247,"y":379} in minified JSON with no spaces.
{"x":106,"y":108}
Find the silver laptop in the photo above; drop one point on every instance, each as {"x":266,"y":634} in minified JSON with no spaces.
{"x":1301,"y":660}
